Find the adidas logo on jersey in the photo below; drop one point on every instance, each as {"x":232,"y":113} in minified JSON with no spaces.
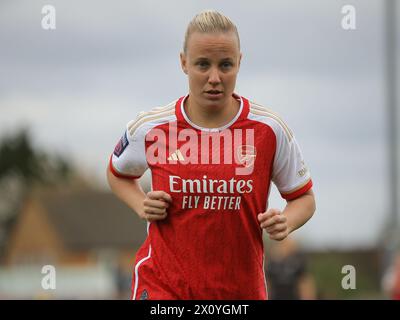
{"x":177,"y":155}
{"x":204,"y":148}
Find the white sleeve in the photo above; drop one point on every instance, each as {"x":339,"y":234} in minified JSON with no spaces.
{"x":290,"y":173}
{"x":129,"y":157}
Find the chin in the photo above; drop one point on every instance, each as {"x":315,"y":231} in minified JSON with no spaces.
{"x":213,"y":104}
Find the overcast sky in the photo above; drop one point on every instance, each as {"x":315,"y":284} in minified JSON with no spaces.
{"x":76,"y":87}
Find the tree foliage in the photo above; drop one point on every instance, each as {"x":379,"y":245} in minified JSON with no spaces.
{"x":18,"y":157}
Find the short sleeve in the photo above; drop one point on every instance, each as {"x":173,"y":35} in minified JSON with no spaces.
{"x":129,"y":157}
{"x":290,"y":173}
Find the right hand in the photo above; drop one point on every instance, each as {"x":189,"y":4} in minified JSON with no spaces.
{"x":155,"y":205}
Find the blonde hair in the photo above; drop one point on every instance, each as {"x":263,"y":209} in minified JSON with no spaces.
{"x":210,"y":21}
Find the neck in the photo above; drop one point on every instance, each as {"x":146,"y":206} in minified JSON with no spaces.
{"x":211,"y":118}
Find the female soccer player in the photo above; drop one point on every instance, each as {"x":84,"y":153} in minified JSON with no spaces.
{"x":212,"y":155}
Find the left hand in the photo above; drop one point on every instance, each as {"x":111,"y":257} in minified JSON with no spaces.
{"x":274,"y":223}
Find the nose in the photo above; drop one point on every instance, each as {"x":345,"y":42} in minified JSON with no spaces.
{"x":214,"y":77}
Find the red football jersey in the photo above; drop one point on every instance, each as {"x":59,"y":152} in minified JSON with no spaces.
{"x":210,"y":246}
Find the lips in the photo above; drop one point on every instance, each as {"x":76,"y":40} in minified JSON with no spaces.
{"x":213,"y":92}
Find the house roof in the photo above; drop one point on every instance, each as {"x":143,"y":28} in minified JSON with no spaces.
{"x":93,"y":219}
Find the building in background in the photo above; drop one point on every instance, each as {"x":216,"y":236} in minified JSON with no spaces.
{"x":90,"y":237}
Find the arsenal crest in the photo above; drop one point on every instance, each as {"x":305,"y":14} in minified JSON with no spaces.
{"x":246,"y":155}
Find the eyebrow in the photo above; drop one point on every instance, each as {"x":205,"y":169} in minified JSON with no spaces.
{"x":222,"y":60}
{"x":227,"y":59}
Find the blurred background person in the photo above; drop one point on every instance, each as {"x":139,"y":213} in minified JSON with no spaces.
{"x":391,"y":279}
{"x":287,"y":274}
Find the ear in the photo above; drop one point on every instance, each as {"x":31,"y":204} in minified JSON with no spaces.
{"x":183,"y":62}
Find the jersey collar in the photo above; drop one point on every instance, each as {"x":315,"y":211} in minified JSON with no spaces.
{"x":241,"y":114}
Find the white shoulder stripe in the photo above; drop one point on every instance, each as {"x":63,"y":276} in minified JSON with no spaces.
{"x":262,"y":111}
{"x":274,"y":114}
{"x":154,"y":114}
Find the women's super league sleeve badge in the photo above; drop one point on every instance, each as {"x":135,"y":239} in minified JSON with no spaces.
{"x":121,"y":145}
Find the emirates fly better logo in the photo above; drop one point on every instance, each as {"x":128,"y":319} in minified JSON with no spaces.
{"x":188,"y":146}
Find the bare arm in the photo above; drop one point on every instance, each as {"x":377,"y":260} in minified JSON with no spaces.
{"x":296,"y":213}
{"x":127,"y":190}
{"x":299,"y":210}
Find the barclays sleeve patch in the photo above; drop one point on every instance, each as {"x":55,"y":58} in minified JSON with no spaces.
{"x":121,"y":145}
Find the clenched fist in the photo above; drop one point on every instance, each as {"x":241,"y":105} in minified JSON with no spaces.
{"x":155,"y":205}
{"x":274,"y":223}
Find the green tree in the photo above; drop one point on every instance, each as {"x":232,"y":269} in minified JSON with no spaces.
{"x":18,"y":157}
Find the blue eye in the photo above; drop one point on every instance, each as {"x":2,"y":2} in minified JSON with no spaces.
{"x":202,"y":64}
{"x":226,"y":65}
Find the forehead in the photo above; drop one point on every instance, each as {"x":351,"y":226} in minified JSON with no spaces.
{"x":208,"y":44}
